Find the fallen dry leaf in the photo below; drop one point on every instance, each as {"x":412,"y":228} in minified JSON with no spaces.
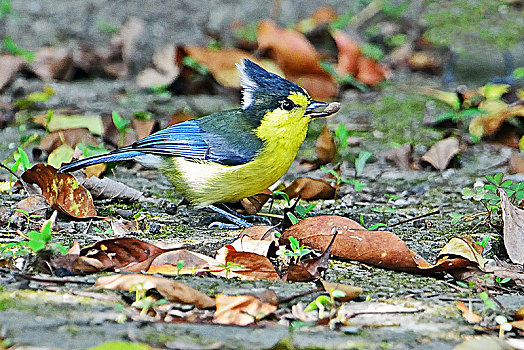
{"x":468,"y":314}
{"x":34,"y":205}
{"x":325,"y":149}
{"x":498,"y":113}
{"x":351,"y":291}
{"x":52,"y":63}
{"x":165,"y":72}
{"x":309,"y":269}
{"x":222,"y":63}
{"x":166,"y":263}
{"x":144,"y":128}
{"x":348,"y":53}
{"x":400,"y":156}
{"x":513,"y":218}
{"x":171,"y":290}
{"x":62,"y":191}
{"x":117,"y":56}
{"x":253,"y":204}
{"x":248,"y":266}
{"x":255,"y":245}
{"x":378,"y":248}
{"x":70,"y":137}
{"x":126,"y":254}
{"x":320,"y":86}
{"x":298,"y":58}
{"x":9,"y":67}
{"x":63,"y":122}
{"x":516,"y":164}
{"x":60,"y":155}
{"x":310,"y":189}
{"x":241,"y":310}
{"x":290,"y":48}
{"x":441,"y":153}
{"x":107,"y":188}
{"x":370,"y":72}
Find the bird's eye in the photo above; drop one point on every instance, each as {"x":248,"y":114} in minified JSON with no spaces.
{"x":287,"y":105}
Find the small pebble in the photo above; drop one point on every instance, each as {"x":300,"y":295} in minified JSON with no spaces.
{"x":154,"y":228}
{"x":171,"y":209}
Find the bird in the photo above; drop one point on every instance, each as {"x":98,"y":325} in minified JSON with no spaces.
{"x":229,"y":155}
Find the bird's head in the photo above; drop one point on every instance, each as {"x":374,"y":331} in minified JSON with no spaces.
{"x":267,"y":93}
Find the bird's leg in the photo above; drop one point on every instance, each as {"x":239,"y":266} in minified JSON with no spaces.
{"x":235,"y":219}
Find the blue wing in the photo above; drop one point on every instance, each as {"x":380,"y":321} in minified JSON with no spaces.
{"x":179,"y":140}
{"x":228,"y":142}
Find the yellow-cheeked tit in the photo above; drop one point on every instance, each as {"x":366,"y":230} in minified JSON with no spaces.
{"x":229,"y":155}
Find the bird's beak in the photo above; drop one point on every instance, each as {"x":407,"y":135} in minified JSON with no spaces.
{"x":329,"y":109}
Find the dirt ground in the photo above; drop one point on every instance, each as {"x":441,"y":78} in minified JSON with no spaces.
{"x":53,"y":314}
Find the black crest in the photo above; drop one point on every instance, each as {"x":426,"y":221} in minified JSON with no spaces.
{"x":259,"y":85}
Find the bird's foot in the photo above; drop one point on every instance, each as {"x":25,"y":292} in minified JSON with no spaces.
{"x":238,"y":221}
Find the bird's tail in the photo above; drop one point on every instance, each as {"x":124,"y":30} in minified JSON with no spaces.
{"x":115,"y":156}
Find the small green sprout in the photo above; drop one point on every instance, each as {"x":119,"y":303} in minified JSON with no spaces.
{"x":357,"y":185}
{"x":484,"y":241}
{"x":323,"y":302}
{"x":179,"y":266}
{"x":501,"y":281}
{"x":372,"y":227}
{"x":13,"y":48}
{"x":297,"y":251}
{"x":161,"y":90}
{"x":122,"y":125}
{"x":294,"y":220}
{"x":342,"y":134}
{"x":360,"y":161}
{"x":231,"y":266}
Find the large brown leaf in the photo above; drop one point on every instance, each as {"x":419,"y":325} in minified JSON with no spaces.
{"x":62,"y":191}
{"x":378,"y":248}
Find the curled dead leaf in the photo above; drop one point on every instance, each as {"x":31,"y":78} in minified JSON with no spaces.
{"x":248,"y":266}
{"x":166,"y":263}
{"x":126,"y":254}
{"x":468,"y":314}
{"x":370,"y":72}
{"x":107,"y":188}
{"x":9,"y":67}
{"x":513,"y":218}
{"x":165,"y":72}
{"x":52,"y":63}
{"x":350,"y":291}
{"x":241,"y":310}
{"x":171,"y":290}
{"x":441,"y":153}
{"x":310,"y":189}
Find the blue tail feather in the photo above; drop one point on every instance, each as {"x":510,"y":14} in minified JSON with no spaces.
{"x":102,"y":158}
